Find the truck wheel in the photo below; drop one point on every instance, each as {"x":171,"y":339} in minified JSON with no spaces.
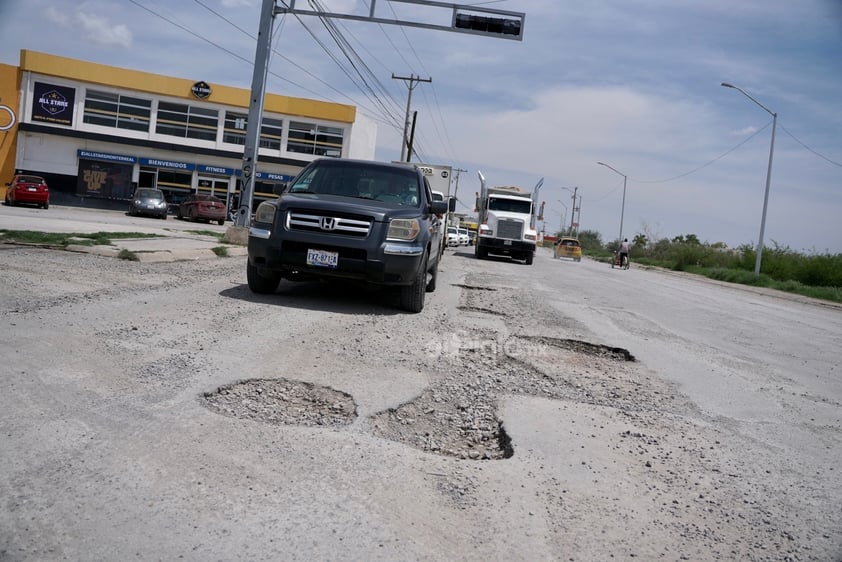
{"x":529,"y":257}
{"x":481,"y":252}
{"x":261,"y":284}
{"x":412,"y":296}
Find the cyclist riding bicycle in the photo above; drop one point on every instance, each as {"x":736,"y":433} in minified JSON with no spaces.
{"x":624,"y":253}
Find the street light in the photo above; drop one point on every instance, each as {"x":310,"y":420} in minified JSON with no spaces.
{"x":768,"y":177}
{"x":563,"y":219}
{"x":623,"y":208}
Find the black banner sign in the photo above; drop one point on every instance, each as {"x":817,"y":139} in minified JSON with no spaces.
{"x":108,"y":180}
{"x":53,"y":104}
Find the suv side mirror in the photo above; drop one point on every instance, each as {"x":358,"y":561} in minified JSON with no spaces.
{"x":279,"y":188}
{"x":451,"y":204}
{"x":438,"y":207}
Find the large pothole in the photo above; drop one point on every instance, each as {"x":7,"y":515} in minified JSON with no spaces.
{"x":283,"y":402}
{"x":456,"y":416}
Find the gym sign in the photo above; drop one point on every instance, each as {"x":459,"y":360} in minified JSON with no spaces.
{"x":201,"y":90}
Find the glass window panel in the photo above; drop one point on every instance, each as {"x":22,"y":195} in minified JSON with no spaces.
{"x":235,"y":128}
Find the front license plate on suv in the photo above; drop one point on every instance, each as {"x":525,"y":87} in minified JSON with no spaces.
{"x":322,"y":258}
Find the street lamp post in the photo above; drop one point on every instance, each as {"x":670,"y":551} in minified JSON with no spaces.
{"x":623,"y":207}
{"x":768,"y":177}
{"x":563,"y":219}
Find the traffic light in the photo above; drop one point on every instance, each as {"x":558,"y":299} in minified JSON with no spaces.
{"x":489,"y":25}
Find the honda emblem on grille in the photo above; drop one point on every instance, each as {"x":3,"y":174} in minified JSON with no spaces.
{"x":328,"y":223}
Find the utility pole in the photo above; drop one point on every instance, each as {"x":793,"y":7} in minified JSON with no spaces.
{"x":411,"y":82}
{"x":456,"y":186}
{"x":573,"y":213}
{"x":255,"y":114}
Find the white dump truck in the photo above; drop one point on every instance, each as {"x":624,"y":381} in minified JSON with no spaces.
{"x":506,"y":217}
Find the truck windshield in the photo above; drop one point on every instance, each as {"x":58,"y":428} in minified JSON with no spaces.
{"x":510,"y":205}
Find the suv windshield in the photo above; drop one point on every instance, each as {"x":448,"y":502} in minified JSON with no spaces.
{"x":394,"y":185}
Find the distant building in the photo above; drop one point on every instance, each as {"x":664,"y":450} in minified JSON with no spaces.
{"x":97,"y":132}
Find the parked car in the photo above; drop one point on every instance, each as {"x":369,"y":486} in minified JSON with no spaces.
{"x":353,"y":220}
{"x":568,"y":248}
{"x":200,"y":207}
{"x":148,"y":201}
{"x":464,"y":239}
{"x":452,"y":236}
{"x":25,"y":188}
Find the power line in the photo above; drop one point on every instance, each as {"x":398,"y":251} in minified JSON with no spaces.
{"x":823,"y":157}
{"x":706,"y":164}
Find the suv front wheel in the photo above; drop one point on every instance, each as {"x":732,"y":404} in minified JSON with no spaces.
{"x":261,"y":284}
{"x":412,"y":296}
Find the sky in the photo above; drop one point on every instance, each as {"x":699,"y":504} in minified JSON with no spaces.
{"x":634,"y":84}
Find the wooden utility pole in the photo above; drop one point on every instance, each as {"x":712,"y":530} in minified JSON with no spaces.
{"x":411,"y":82}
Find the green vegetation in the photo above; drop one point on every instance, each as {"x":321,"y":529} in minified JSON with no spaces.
{"x":65,"y":239}
{"x":812,"y":275}
{"x":221,"y":251}
{"x":127,"y":255}
{"x":217,"y":235}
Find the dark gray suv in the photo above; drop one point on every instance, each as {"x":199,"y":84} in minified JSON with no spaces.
{"x":350,"y":219}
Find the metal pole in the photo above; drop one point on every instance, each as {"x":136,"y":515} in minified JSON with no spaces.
{"x":765,"y":198}
{"x":563,"y":220}
{"x":258,"y":87}
{"x":623,"y":208}
{"x":768,"y":176}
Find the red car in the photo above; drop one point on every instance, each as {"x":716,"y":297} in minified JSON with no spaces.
{"x":28,"y":189}
{"x":203,"y":207}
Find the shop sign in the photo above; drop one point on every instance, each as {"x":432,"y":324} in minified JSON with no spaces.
{"x":268,"y":176}
{"x":201,"y":90}
{"x":158,"y":163}
{"x":91,"y":155}
{"x":215,"y":170}
{"x":53,"y":104}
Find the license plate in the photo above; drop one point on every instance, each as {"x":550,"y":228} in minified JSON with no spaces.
{"x":507,"y":242}
{"x":30,"y":189}
{"x":322,"y":258}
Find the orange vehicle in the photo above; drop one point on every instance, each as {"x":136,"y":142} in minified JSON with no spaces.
{"x":568,"y":248}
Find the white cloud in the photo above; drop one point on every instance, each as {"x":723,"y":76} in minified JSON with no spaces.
{"x":96,"y":28}
{"x":101,"y":31}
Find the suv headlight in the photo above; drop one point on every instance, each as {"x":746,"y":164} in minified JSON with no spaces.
{"x":265,"y":213}
{"x":403,"y":229}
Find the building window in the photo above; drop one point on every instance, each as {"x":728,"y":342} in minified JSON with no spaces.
{"x":320,"y":140}
{"x":115,"y":110}
{"x":270,"y":133}
{"x":187,"y":121}
{"x":235,"y":130}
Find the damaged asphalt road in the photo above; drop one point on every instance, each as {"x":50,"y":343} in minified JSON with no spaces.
{"x":561,"y":411}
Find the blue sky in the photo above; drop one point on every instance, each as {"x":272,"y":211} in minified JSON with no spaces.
{"x":631,"y":83}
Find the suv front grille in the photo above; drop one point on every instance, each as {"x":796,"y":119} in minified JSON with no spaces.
{"x":314,"y":222}
{"x":510,"y":229}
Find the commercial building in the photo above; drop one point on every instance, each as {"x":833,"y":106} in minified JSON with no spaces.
{"x":98,"y":132}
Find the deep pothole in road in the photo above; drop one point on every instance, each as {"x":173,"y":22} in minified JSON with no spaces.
{"x":456,"y":416}
{"x":283,"y":402}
